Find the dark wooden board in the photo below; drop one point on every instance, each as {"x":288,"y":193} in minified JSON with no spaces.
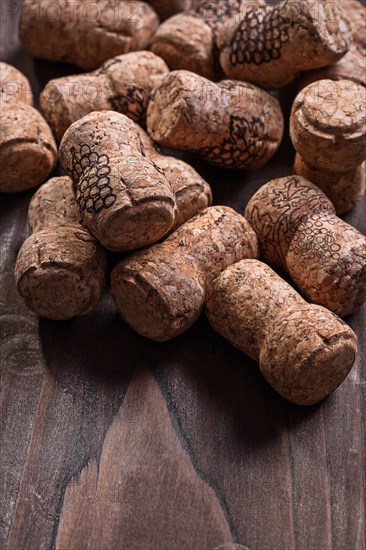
{"x":112,"y":442}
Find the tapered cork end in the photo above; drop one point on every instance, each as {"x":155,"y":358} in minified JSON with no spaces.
{"x":28,"y":152}
{"x":14,"y":86}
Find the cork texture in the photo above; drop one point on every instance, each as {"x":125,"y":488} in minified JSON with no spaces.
{"x":189,"y":40}
{"x":230,"y":124}
{"x":123,"y":83}
{"x":14,"y":86}
{"x":161,"y":291}
{"x":304,"y":351}
{"x":168,"y":8}
{"x":28,"y":151}
{"x":344,"y":189}
{"x":124,"y":198}
{"x":85,"y":33}
{"x":298,"y":229}
{"x":60,"y":269}
{"x":328,"y":125}
{"x":271,"y":45}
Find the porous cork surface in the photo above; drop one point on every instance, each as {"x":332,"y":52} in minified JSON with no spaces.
{"x":28,"y":151}
{"x":328,"y":125}
{"x":344,"y":189}
{"x":230,"y":124}
{"x":192,"y":193}
{"x":85,"y":33}
{"x":14,"y":86}
{"x":304,"y":351}
{"x":168,"y":8}
{"x":189,"y":40}
{"x":298,"y":229}
{"x":124,"y":198}
{"x":123,"y":83}
{"x":60,"y":269}
{"x":161,"y":291}
{"x":271,"y":45}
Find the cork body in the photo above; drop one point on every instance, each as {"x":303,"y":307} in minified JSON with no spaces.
{"x":298,"y":229}
{"x":123,"y":83}
{"x":189,"y":40}
{"x":161,"y":291}
{"x":28,"y":151}
{"x":124,"y":199}
{"x":230,"y":124}
{"x":192,"y":193}
{"x":85,"y":33}
{"x":168,"y":8}
{"x":272,"y":44}
{"x":304,"y":351}
{"x":60,"y":269}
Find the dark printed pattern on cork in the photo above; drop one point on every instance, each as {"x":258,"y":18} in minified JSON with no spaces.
{"x":131,"y":104}
{"x":245,"y":145}
{"x":289,"y":200}
{"x":260,"y":37}
{"x":91,"y":175}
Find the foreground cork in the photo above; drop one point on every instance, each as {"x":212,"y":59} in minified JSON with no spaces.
{"x":161,"y":291}
{"x":271,"y":45}
{"x":230,"y":124}
{"x":304,"y":351}
{"x":28,"y":151}
{"x":189,"y":40}
{"x":167,"y":8}
{"x":60,"y":270}
{"x":298,"y":229}
{"x":122,"y":84}
{"x":85,"y":33}
{"x":328,"y":130}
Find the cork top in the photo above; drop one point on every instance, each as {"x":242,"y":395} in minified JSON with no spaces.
{"x":14,"y":86}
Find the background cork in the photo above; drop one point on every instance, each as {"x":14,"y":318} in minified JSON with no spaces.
{"x":230,"y":124}
{"x":85,"y":33}
{"x":167,"y":8}
{"x":298,"y":229}
{"x":60,"y":270}
{"x":161,"y":291}
{"x":304,"y":351}
{"x":123,"y":83}
{"x":28,"y":151}
{"x":271,"y":45}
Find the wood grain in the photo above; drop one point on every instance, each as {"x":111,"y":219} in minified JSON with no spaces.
{"x":110,"y":441}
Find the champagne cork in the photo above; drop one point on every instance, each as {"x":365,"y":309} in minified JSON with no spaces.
{"x":230,"y":124}
{"x":328,"y":130}
{"x":61,"y":269}
{"x":271,"y":45}
{"x":85,"y":33}
{"x":189,"y":40}
{"x":168,"y":8}
{"x":28,"y":151}
{"x":123,"y":83}
{"x":304,"y":351}
{"x":161,"y":291}
{"x":298,"y":229}
{"x":125,"y":200}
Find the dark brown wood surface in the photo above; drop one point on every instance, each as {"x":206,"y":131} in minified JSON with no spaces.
{"x":112,"y":442}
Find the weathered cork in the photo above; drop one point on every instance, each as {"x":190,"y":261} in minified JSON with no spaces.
{"x":124,"y":198}
{"x":14,"y":86}
{"x":28,"y":152}
{"x":353,"y":65}
{"x":192,"y":192}
{"x":189,"y":40}
{"x":161,"y":291}
{"x":328,"y":130}
{"x":122,"y":84}
{"x":271,"y":45}
{"x":167,"y":8}
{"x":304,"y":351}
{"x":344,"y":189}
{"x":298,"y":229}
{"x":85,"y":33}
{"x":230,"y":124}
{"x":61,"y":269}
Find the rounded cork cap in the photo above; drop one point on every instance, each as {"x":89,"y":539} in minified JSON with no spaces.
{"x":14,"y":86}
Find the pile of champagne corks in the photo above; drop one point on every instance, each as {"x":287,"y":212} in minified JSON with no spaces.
{"x":196,"y":76}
